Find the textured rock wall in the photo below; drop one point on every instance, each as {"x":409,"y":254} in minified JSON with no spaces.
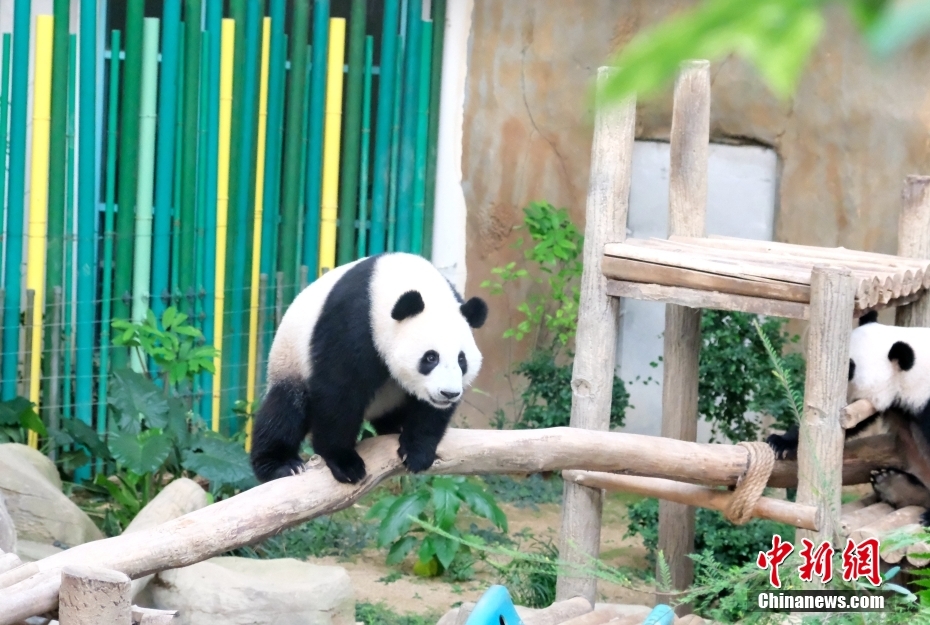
{"x":846,"y":140}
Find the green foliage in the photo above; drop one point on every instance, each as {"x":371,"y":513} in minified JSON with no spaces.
{"x":525,"y":492}
{"x":729,"y":544}
{"x":381,"y":614}
{"x":531,"y":582}
{"x":342,"y":534}
{"x":17,"y":418}
{"x":437,"y":500}
{"x":736,"y":374}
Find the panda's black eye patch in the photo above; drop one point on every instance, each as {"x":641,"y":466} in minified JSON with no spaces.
{"x":852,"y":368}
{"x":903,"y":354}
{"x":463,"y":363}
{"x":428,"y":362}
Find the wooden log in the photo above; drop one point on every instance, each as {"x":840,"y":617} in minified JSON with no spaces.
{"x":820,"y":446}
{"x":779,"y":510}
{"x":864,"y":516}
{"x":918,"y":554}
{"x":689,"y":144}
{"x":858,"y":504}
{"x":894,"y":543}
{"x":181,"y":496}
{"x":694,"y":298}
{"x":9,"y":561}
{"x":18,"y":574}
{"x":855,"y":413}
{"x":895,"y":520}
{"x":151,"y":616}
{"x":598,"y":325}
{"x":914,"y":242}
{"x":265,"y":510}
{"x":92,"y":595}
{"x":560,"y":611}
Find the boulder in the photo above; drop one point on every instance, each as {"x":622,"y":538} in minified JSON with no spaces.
{"x":37,"y":459}
{"x":7,"y":529}
{"x":40,"y":511}
{"x":245,"y":591}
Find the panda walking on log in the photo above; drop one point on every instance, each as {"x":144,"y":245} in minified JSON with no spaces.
{"x":385,"y":339}
{"x":890,"y":367}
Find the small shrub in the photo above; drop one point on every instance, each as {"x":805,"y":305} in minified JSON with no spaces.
{"x":532,"y":583}
{"x":526,"y":492}
{"x":341,"y":534}
{"x":381,"y":614}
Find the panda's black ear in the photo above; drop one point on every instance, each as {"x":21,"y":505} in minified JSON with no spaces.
{"x":852,"y":369}
{"x":475,"y":312}
{"x":408,"y":305}
{"x":903,"y":354}
{"x":869,"y":317}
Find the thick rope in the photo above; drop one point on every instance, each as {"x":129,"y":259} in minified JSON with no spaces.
{"x":751,"y":483}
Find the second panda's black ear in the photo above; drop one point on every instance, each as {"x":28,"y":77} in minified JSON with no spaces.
{"x":475,"y":312}
{"x":903,"y":354}
{"x":869,"y":317}
{"x":408,"y":305}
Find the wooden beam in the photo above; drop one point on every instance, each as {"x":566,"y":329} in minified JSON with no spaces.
{"x":694,"y":298}
{"x":93,"y":595}
{"x":779,"y":510}
{"x":689,"y":144}
{"x":914,"y":242}
{"x":820,"y":446}
{"x":598,"y":324}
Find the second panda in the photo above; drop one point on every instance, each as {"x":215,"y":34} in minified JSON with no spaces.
{"x":385,"y":338}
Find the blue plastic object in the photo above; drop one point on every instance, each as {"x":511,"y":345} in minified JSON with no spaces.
{"x":496,"y":608}
{"x":660,"y":615}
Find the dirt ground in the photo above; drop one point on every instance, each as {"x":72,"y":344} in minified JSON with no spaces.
{"x":374,"y":582}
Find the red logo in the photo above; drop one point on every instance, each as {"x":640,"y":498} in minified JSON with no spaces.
{"x":858,"y":560}
{"x":861,"y":561}
{"x":817,"y":562}
{"x":775,"y":556}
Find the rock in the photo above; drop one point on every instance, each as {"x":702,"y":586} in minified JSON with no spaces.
{"x":40,"y":461}
{"x":31,"y":551}
{"x":39,"y":509}
{"x":244,"y":591}
{"x":7,"y":529}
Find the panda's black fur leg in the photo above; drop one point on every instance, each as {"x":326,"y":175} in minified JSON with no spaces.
{"x":335,"y":424}
{"x":279,"y":428}
{"x":390,"y":423}
{"x":423,"y":428}
{"x":785,"y":445}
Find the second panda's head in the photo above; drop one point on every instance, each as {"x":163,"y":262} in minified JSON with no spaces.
{"x":423,"y":330}
{"x":884,"y":367}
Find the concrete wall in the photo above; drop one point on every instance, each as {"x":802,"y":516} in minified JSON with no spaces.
{"x":845,"y":142}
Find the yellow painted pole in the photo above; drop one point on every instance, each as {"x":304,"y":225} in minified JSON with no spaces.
{"x":331,"y":135}
{"x":257,"y":228}
{"x":222,"y":203}
{"x":38,"y":197}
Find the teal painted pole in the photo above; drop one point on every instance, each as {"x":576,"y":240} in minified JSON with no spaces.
{"x":315,"y":150}
{"x":395,"y":157}
{"x":348,"y":192}
{"x":432,"y":142}
{"x":381,"y":173}
{"x":5,"y":62}
{"x":200,"y":241}
{"x":87,"y":215}
{"x":188,"y":140}
{"x":305,"y":124}
{"x":165,"y":151}
{"x":177,"y":191}
{"x":215,"y":27}
{"x":366,"y":148}
{"x":408,"y":130}
{"x":67,"y":338}
{"x":293,"y":144}
{"x":106,"y":304}
{"x":270,"y":208}
{"x":22,"y":11}
{"x":419,"y":168}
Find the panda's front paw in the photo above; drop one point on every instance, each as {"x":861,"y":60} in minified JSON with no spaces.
{"x":783,"y":447}
{"x":415,"y":458}
{"x":347,"y":466}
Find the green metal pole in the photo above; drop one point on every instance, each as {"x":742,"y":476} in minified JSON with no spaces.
{"x":16,"y":203}
{"x":57,"y":164}
{"x":148,"y":96}
{"x":366,"y":148}
{"x":419,"y":179}
{"x":112,"y":109}
{"x":395,"y":156}
{"x":165,"y":150}
{"x":381,"y":171}
{"x":348,"y":192}
{"x":315,"y":150}
{"x":201,"y":160}
{"x":435,"y":84}
{"x":188,"y":139}
{"x":274,"y":133}
{"x":177,"y":197}
{"x":69,"y":229}
{"x":128,"y":166}
{"x":302,"y":214}
{"x":5,"y":63}
{"x":408,"y":129}
{"x":293,"y":144}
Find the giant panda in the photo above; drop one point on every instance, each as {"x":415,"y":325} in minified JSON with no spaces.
{"x":386,"y":338}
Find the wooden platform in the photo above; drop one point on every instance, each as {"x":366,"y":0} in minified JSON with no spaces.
{"x":895,"y":529}
{"x":753,"y":276}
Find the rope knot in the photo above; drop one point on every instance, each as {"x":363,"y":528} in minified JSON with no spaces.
{"x":749,"y":486}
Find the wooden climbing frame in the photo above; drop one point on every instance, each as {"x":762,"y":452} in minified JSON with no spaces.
{"x":690,"y":271}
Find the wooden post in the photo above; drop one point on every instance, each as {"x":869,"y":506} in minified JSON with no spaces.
{"x":687,"y":207}
{"x":914,"y":242}
{"x":92,"y":595}
{"x":820,"y":446}
{"x":596,"y":338}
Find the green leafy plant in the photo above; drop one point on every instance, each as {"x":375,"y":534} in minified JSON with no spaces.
{"x":381,"y":614}
{"x":525,"y":492}
{"x":438,"y":500}
{"x":17,"y":418}
{"x":342,"y":534}
{"x":531,"y":582}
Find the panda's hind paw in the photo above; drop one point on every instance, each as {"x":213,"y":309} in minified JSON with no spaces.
{"x":347,"y":466}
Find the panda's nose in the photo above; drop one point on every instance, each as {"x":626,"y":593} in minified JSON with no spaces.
{"x":450,"y":394}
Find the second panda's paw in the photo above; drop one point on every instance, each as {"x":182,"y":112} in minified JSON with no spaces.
{"x":899,"y":489}
{"x":416,"y":459}
{"x":347,"y":466}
